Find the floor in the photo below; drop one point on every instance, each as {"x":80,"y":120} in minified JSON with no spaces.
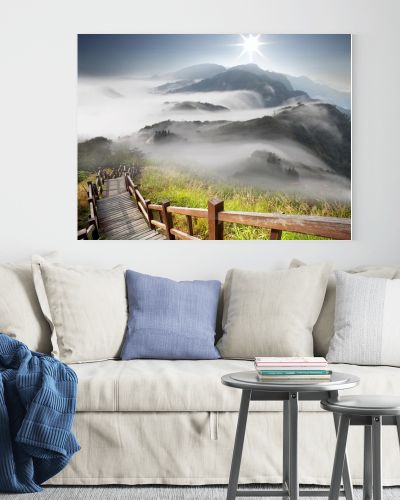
{"x":152,"y":493}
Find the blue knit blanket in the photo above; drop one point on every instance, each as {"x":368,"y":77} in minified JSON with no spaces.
{"x":37,"y":407}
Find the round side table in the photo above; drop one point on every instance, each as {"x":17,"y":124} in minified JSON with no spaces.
{"x":290,"y":392}
{"x":371,"y":412}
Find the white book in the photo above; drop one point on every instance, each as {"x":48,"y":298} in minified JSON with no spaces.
{"x":290,"y":361}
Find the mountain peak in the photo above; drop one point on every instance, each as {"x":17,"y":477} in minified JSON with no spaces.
{"x":273,"y":88}
{"x":256,"y":70}
{"x":250,"y":67}
{"x":205,"y":70}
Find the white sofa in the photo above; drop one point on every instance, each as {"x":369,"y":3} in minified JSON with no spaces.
{"x":173,"y":422}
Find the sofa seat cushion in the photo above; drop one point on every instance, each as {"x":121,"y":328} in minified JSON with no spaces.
{"x":161,"y":385}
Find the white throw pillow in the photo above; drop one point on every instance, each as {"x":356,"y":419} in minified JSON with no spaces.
{"x":20,"y":315}
{"x":272,"y":313}
{"x":86,"y":308}
{"x":367,"y":321}
{"x":324,"y":327}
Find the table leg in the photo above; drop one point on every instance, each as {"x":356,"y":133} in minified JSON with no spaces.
{"x":285,"y":447}
{"x":367,"y":486}
{"x":398,"y":428}
{"x":340,"y":455}
{"x":347,"y":482}
{"x":377,"y":457}
{"x":293,"y":446}
{"x":238,"y":447}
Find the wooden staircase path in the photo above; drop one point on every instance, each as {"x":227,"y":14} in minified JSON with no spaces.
{"x":118,"y":215}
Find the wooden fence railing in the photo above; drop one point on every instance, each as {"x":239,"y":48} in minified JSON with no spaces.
{"x":91,"y":231}
{"x":161,"y":216}
{"x":326,"y":227}
{"x":94,"y":192}
{"x":143,"y":205}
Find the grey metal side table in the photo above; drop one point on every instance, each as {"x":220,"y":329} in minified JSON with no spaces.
{"x":372,"y":412}
{"x":290,"y":392}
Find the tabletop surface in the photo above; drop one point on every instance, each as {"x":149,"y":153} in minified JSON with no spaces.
{"x":249,"y":380}
{"x":365,"y":405}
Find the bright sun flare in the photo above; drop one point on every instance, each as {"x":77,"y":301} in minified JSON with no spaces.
{"x":251,"y":45}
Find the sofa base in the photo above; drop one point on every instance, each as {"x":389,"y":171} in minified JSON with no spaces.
{"x":195,"y":448}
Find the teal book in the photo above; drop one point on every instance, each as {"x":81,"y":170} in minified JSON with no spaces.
{"x":294,"y":372}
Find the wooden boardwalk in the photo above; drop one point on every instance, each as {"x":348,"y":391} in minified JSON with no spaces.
{"x":119,"y":217}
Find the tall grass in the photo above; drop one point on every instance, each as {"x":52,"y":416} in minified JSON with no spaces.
{"x":186,"y":189}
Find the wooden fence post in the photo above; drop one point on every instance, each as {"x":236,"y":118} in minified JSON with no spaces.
{"x":99,"y":184}
{"x":96,"y":233}
{"x":91,"y":193}
{"x":93,"y":209}
{"x":276,"y":234}
{"x":149,"y":213}
{"x":95,"y":191}
{"x":92,"y":219}
{"x":189,"y":224}
{"x":167,"y":219}
{"x":135,"y":190}
{"x":215,"y":227}
{"x":82,"y":234}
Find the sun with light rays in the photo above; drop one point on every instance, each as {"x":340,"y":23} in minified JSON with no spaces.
{"x":251,"y":45}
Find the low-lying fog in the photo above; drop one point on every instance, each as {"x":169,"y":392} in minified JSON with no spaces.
{"x":120,"y":107}
{"x":233,"y":163}
{"x":117,"y":108}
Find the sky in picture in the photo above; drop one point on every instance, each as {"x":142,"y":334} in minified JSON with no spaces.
{"x":323,"y":58}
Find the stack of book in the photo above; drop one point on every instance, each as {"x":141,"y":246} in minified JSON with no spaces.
{"x":269,"y":369}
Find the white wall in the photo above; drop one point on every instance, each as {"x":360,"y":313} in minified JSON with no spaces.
{"x":38,"y":120}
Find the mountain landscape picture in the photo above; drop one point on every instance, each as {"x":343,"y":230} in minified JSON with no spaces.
{"x":235,"y":137}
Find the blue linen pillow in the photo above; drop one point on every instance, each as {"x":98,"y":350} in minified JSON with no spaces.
{"x":170,"y":319}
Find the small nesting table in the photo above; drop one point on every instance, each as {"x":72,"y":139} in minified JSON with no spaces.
{"x":290,"y":392}
{"x":372,"y":412}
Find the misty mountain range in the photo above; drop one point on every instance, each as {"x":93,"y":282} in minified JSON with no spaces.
{"x":217,"y":77}
{"x":321,"y":128}
{"x":273,"y":92}
{"x":241,"y":124}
